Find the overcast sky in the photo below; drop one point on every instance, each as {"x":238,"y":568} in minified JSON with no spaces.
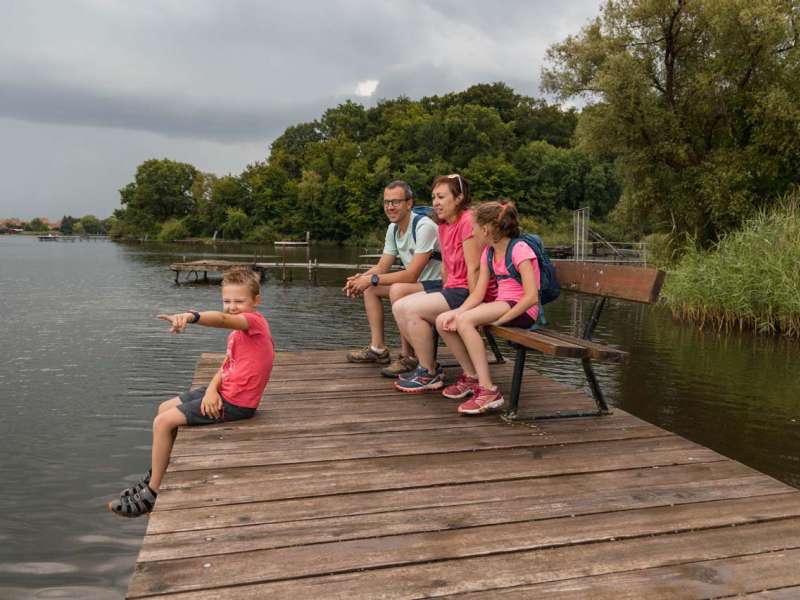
{"x":91,"y":88}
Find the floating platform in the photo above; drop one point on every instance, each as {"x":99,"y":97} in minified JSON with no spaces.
{"x":342,"y":487}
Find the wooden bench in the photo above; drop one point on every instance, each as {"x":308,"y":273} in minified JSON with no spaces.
{"x":604,"y":281}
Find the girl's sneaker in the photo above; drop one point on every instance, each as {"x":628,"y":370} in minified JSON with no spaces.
{"x":463,"y":387}
{"x":135,"y":505}
{"x":420,"y":380}
{"x":138,"y":486}
{"x":483,"y":399}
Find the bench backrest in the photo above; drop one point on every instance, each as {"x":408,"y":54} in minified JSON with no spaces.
{"x":637,"y":284}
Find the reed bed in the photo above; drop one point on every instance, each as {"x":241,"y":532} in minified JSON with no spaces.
{"x":750,"y":280}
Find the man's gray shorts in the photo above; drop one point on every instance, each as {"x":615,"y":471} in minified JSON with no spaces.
{"x":190,"y":407}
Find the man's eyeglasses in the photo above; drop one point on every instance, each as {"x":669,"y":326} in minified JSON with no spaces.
{"x":393,"y":203}
{"x":460,"y":185}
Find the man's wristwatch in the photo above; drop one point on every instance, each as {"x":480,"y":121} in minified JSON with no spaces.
{"x":375,"y":280}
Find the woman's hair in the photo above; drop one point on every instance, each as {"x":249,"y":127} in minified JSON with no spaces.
{"x":243,"y":276}
{"x":501,"y":216}
{"x":458,"y":187}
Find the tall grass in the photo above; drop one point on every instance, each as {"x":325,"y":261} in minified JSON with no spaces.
{"x":750,"y":280}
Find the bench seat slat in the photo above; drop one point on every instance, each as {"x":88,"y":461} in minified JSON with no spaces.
{"x":536,"y":340}
{"x":559,"y":344}
{"x":596,"y":350}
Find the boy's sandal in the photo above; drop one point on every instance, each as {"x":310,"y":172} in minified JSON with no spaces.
{"x":135,"y":505}
{"x":138,"y":486}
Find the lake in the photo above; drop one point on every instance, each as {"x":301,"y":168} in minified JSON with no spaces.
{"x":84,"y":363}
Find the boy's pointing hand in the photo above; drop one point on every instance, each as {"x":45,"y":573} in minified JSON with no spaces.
{"x":178,"y":321}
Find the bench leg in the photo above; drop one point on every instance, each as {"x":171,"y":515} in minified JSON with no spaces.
{"x":435,"y":345}
{"x":516,"y":382}
{"x":594,"y":385}
{"x":498,"y":356}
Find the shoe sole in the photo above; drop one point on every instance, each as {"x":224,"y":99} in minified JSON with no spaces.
{"x":369,"y":362}
{"x":126,"y":515}
{"x":419,"y":390}
{"x":485,"y":408}
{"x":459,"y":397}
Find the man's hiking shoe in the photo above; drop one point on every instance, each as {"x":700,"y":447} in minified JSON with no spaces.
{"x":483,"y":399}
{"x":138,"y":486}
{"x":401,"y":364}
{"x":368,"y":355}
{"x":138,"y":504}
{"x":420,"y":380}
{"x":463,"y":387}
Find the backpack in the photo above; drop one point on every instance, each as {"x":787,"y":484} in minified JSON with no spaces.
{"x":548,"y":282}
{"x":418,"y":213}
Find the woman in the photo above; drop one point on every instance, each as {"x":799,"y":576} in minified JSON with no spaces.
{"x":416,"y":314}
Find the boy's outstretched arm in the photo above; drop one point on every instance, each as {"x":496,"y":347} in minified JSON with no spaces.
{"x":209,"y":318}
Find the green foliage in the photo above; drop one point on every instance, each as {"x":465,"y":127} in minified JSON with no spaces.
{"x":36,"y":224}
{"x":173,"y":229}
{"x":237,"y":223}
{"x":697,"y":100}
{"x":263,"y":234}
{"x":750,"y":279}
{"x":327,"y":176}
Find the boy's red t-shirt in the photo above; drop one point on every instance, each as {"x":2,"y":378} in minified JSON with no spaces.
{"x":248,"y":362}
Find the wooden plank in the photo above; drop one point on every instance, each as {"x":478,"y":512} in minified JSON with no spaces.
{"x":346,"y":556}
{"x":247,"y":484}
{"x":637,"y":284}
{"x":723,"y":577}
{"x":644,"y":483}
{"x":245,"y":538}
{"x":288,"y":451}
{"x":537,"y":341}
{"x":596,"y":350}
{"x":514,"y":568}
{"x":556,"y":430}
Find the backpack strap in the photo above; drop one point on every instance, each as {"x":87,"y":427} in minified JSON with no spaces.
{"x":435,"y":254}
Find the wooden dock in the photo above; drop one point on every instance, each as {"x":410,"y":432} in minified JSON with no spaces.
{"x":341,"y":487}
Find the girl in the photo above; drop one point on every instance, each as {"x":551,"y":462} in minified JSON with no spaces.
{"x":415,"y":314}
{"x":516,"y":305}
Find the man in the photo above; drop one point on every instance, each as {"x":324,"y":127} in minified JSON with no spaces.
{"x":414,"y":238}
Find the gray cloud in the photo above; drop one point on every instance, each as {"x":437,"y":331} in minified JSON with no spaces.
{"x":233,"y":75}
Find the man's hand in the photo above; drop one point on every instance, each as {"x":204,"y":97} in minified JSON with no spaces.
{"x":348,"y":285}
{"x":359,"y":285}
{"x":211,"y":404}
{"x":178,"y":321}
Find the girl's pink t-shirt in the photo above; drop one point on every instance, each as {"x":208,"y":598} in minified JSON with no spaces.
{"x":508,"y":288}
{"x":451,"y":243}
{"x":248,"y":362}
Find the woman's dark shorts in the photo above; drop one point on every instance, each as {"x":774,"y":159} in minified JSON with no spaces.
{"x":431,"y":285}
{"x":190,"y":408}
{"x":524,"y":321}
{"x":455,"y":296}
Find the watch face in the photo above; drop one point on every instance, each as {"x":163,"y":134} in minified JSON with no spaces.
{"x":375,"y":279}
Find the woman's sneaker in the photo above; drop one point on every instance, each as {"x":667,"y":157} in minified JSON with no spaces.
{"x":138,"y":486}
{"x":401,"y":364}
{"x":135,"y":505}
{"x":420,"y":380}
{"x":483,"y":399}
{"x":368,"y":355}
{"x":463,"y":387}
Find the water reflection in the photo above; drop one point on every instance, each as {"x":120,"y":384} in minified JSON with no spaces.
{"x":83,"y":363}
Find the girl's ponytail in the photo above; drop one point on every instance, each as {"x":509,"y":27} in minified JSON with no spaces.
{"x":501,"y":216}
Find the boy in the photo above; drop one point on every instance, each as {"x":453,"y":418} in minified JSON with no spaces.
{"x":234,"y":393}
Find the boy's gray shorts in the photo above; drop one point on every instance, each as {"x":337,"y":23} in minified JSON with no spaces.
{"x":190,"y":407}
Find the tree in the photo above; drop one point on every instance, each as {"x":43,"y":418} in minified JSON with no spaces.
{"x":162,"y":189}
{"x":67,"y":223}
{"x":697,"y":99}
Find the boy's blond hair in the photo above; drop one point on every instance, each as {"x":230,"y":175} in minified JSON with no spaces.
{"x":243,"y":276}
